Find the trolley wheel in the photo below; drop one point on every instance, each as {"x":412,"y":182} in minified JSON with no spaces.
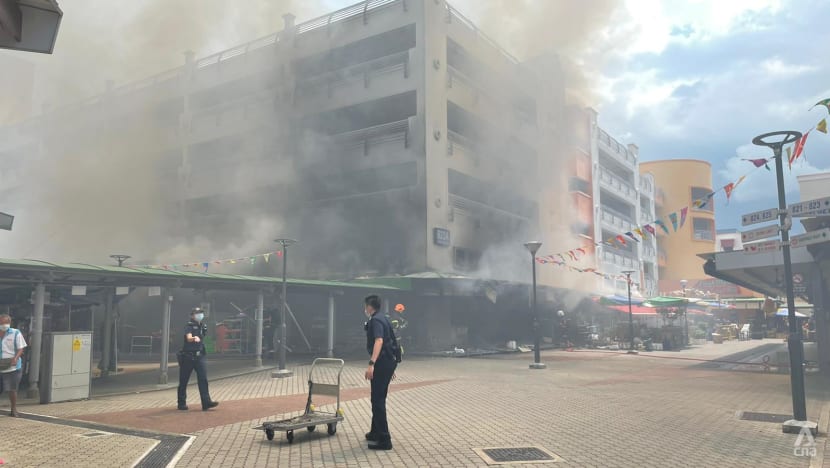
{"x":332,"y":428}
{"x":269,"y":434}
{"x":311,"y":428}
{"x":290,"y":436}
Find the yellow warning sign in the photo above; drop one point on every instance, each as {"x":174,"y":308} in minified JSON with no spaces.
{"x":76,"y":345}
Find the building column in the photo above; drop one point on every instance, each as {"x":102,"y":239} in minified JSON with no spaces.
{"x":106,"y":352}
{"x":165,"y":337}
{"x":37,"y":340}
{"x":821,"y":302}
{"x":260,"y":310}
{"x":330,"y":346}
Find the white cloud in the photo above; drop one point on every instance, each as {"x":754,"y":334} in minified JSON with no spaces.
{"x":777,"y":68}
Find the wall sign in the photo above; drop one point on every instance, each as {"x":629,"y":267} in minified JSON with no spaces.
{"x":441,"y":237}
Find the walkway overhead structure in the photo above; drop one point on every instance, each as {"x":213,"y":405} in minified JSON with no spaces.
{"x":41,"y":275}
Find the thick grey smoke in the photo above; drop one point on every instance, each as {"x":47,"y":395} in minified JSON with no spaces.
{"x":86,"y":197}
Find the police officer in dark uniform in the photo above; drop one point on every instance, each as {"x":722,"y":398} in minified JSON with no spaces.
{"x":381,"y":371}
{"x":192,"y":357}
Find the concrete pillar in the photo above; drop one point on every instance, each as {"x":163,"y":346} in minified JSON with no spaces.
{"x":330,"y":346}
{"x":821,"y":303}
{"x":165,"y":336}
{"x":260,"y":310}
{"x":37,"y":340}
{"x":106,"y":353}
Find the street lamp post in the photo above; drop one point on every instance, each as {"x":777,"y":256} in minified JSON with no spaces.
{"x":683,"y":284}
{"x":631,"y":349}
{"x":282,"y":371}
{"x":120,"y":258}
{"x":776,"y":141}
{"x":533,"y":247}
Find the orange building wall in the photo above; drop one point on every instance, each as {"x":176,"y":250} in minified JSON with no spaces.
{"x":677,"y":178}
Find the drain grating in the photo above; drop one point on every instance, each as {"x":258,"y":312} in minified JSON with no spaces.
{"x":94,"y":434}
{"x":513,"y":455}
{"x":765,"y":417}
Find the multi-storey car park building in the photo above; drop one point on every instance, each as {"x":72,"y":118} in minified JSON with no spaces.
{"x":391,"y":137}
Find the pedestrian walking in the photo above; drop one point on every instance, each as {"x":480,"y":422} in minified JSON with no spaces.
{"x":384,"y":353}
{"x":12,"y":345}
{"x":192,"y":357}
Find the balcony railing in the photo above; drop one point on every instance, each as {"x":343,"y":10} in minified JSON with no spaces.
{"x":616,"y":148}
{"x":609,"y":256}
{"x":616,"y":221}
{"x":362,"y":9}
{"x":453,"y":16}
{"x":706,"y":235}
{"x":398,"y":62}
{"x":616,"y":183}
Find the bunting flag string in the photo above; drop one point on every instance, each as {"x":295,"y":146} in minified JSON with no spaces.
{"x":677,"y":219}
{"x":205,"y":265}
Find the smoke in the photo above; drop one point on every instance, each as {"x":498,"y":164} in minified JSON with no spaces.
{"x":88,"y":185}
{"x":98,"y":184}
{"x":574,"y":30}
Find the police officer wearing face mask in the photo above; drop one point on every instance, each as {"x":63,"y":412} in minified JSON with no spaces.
{"x":192,"y":357}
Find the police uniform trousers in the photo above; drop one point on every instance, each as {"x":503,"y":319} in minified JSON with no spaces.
{"x":384,"y":369}
{"x":188,"y":362}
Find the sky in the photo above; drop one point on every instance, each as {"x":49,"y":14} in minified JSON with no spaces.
{"x":693,"y":79}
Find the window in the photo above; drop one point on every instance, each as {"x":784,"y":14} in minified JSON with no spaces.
{"x":727,"y":245}
{"x":466,"y":259}
{"x":704,"y":229}
{"x":701,"y":193}
{"x":576,"y":184}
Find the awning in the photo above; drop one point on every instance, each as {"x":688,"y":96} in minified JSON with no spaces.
{"x":615,"y":299}
{"x":667,"y":301}
{"x":635,"y":310}
{"x":786,"y":313}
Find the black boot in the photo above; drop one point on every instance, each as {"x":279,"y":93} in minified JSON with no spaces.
{"x":183,"y":406}
{"x":381,"y":445}
{"x":371,"y":437}
{"x":210,"y":404}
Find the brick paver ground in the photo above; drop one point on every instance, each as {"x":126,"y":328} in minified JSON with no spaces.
{"x":591,"y":408}
{"x":26,"y":443}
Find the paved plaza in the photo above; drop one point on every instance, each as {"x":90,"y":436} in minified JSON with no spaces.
{"x":589,"y":408}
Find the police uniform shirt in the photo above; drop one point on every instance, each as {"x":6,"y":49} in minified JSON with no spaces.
{"x":196,"y":329}
{"x":376,"y":328}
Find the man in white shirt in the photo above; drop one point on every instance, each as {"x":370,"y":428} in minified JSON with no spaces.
{"x":12,"y":345}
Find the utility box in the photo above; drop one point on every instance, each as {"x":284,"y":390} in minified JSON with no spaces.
{"x":67,"y":367}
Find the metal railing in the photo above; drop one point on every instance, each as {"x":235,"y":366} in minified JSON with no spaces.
{"x":610,"y":256}
{"x":453,"y":15}
{"x":616,"y":147}
{"x":615,"y":220}
{"x":363,"y":9}
{"x":615,"y":182}
{"x":365,"y":70}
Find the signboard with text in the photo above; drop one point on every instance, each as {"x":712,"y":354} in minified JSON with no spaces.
{"x":441,"y":237}
{"x":759,"y":217}
{"x":810,"y":238}
{"x":762,"y":247}
{"x":760,"y":233}
{"x":811,"y":208}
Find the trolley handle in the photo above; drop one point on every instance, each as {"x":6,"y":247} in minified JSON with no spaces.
{"x":327,"y":361}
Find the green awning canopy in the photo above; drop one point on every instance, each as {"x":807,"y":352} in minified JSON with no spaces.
{"x":667,"y":301}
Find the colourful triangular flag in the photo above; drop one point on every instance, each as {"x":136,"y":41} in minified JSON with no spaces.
{"x":697,"y":203}
{"x":822,"y":126}
{"x":823,"y":102}
{"x":799,"y":148}
{"x":621,"y":240}
{"x":662,"y":226}
{"x":640,"y":232}
{"x":683,"y":214}
{"x":631,"y":235}
{"x":673,"y":219}
{"x":741,"y":179}
{"x":728,"y":188}
{"x":267,"y":256}
{"x":650,"y":229}
{"x":757,"y":162}
{"x":572,"y":255}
